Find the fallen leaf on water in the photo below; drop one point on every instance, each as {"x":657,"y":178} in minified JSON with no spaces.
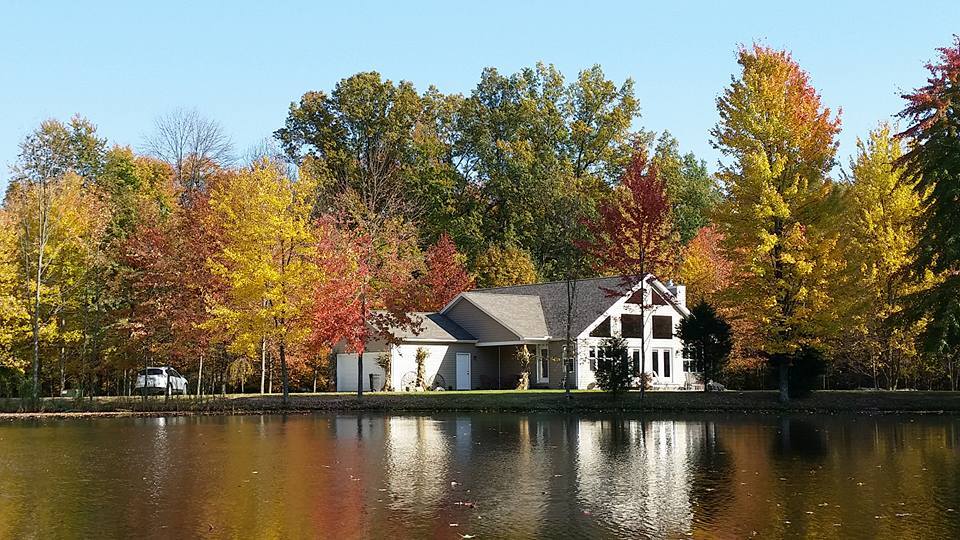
{"x":454,"y":524}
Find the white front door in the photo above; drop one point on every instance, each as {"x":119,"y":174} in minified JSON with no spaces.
{"x":543,"y":364}
{"x":463,"y":371}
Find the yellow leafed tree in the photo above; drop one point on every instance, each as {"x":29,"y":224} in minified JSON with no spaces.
{"x":775,"y":220}
{"x":268,"y":259}
{"x":879,"y":224}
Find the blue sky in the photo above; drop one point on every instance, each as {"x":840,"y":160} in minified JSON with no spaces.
{"x":121,"y":64}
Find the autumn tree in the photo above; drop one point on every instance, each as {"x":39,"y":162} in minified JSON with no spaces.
{"x":14,"y":322}
{"x":880,"y":211}
{"x":933,"y":161}
{"x":367,"y":292}
{"x":781,"y":142}
{"x":633,"y":236}
{"x":267,"y":260}
{"x":445,"y":276}
{"x":503,"y":266}
{"x":705,"y":269}
{"x":53,"y":214}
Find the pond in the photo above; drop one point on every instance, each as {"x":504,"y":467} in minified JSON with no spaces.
{"x":482,"y":475}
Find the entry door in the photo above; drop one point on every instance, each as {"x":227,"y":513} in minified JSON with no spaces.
{"x":463,"y":371}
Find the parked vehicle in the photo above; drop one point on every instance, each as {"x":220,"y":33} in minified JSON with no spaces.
{"x":161,"y":380}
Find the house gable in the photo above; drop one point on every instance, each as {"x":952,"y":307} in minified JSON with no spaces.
{"x":480,"y":324}
{"x":622,"y":306}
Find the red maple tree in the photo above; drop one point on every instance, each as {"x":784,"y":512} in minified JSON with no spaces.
{"x":445,"y":276}
{"x":632,"y":236}
{"x":366,"y":293}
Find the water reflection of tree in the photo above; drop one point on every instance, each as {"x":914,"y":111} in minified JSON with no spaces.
{"x":799,"y":438}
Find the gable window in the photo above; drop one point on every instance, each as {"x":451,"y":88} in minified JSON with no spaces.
{"x":636,"y":298}
{"x":631,"y":325}
{"x":657,"y":299}
{"x":662,"y":327}
{"x":602,"y":329}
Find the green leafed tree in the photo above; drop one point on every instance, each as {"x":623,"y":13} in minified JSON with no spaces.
{"x":692,"y":190}
{"x":707,"y":341}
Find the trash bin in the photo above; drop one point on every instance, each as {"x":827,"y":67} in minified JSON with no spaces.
{"x":374,"y":382}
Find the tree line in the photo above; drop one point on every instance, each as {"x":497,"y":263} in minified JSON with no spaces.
{"x":375,"y":200}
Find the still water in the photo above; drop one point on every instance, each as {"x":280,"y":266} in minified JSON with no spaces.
{"x":485,"y":475}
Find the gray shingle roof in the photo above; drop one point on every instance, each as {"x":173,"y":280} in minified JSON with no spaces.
{"x":436,"y":327}
{"x":590,"y":301}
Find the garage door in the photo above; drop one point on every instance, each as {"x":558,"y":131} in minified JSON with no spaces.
{"x":347,"y":371}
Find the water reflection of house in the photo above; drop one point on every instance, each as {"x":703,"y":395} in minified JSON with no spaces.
{"x":417,"y":457}
{"x":637,"y":474}
{"x":472,"y":343}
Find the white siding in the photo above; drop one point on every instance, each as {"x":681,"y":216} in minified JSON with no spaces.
{"x":586,"y":377}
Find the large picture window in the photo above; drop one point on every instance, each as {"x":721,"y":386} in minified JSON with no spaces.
{"x":662,"y":327}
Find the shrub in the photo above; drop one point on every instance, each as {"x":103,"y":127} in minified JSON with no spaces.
{"x":385,"y":363}
{"x":523,"y":356}
{"x":421,"y":367}
{"x":614,"y":373}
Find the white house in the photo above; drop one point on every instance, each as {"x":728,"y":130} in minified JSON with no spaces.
{"x":472,"y":343}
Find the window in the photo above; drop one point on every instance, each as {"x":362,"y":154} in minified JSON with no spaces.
{"x":662,"y":327}
{"x":666,"y":363}
{"x":692,"y":366}
{"x":655,"y":363}
{"x":636,"y":362}
{"x":657,"y":299}
{"x":631,"y":326}
{"x":602,"y":329}
{"x":593,"y":358}
{"x":636,"y":298}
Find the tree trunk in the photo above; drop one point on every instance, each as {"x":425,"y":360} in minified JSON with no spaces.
{"x":263,"y":364}
{"x":200,"y":377}
{"x":270,"y":371}
{"x":315,"y":368}
{"x":643,"y":342}
{"x":283,"y":372}
{"x":784,"y":379}
{"x":360,"y":371}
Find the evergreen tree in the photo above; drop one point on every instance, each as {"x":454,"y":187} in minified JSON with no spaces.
{"x":934,"y":162}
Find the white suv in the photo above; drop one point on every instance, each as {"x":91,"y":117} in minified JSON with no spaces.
{"x":161,"y":380}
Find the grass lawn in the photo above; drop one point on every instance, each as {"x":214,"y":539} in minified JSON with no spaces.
{"x":503,"y":401}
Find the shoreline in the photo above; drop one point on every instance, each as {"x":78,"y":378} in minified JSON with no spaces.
{"x":530,"y":401}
